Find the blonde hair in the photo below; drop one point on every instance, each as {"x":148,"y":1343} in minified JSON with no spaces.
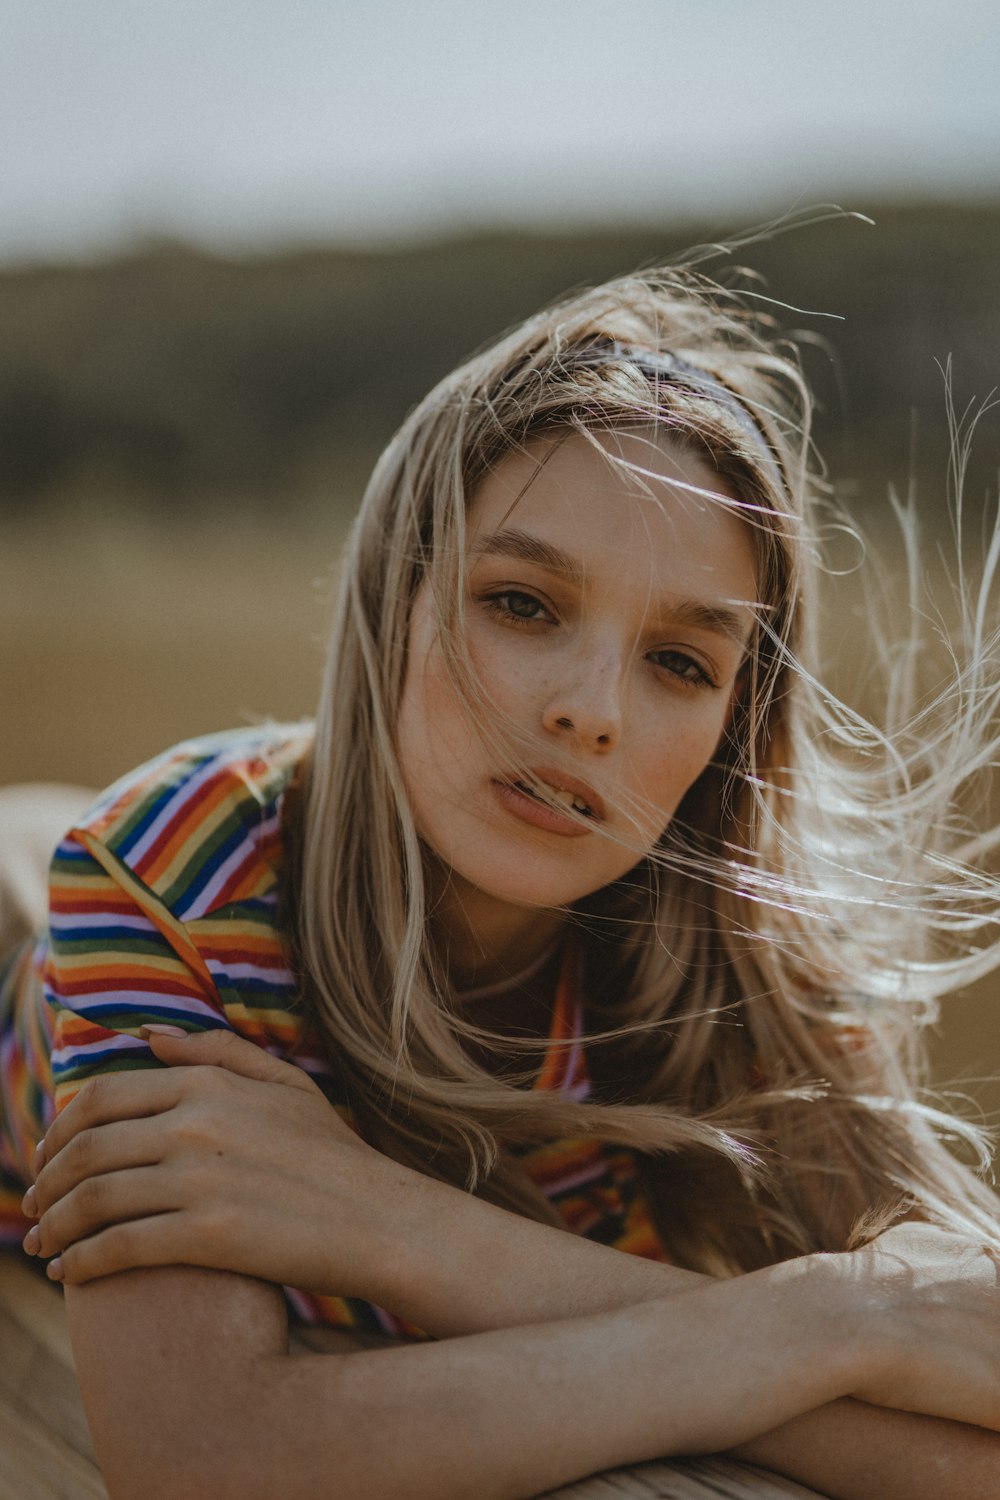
{"x":762,"y":976}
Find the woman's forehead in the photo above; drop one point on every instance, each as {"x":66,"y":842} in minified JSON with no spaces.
{"x":622,"y":500}
{"x":613,"y":464}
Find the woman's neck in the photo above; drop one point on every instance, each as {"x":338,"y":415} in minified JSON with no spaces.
{"x":484,"y":941}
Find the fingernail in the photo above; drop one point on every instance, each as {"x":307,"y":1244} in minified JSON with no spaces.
{"x":160,"y":1030}
{"x":31,"y":1241}
{"x":54,"y":1269}
{"x":39,"y":1159}
{"x":29,"y":1204}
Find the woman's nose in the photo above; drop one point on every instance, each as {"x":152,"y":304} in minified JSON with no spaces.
{"x":586,"y":707}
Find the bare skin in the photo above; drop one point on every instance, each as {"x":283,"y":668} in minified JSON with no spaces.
{"x":911,"y":1323}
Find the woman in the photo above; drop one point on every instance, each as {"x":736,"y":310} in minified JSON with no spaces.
{"x":583,"y":906}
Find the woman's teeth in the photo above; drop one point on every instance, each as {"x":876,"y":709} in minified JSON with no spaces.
{"x":556,"y":794}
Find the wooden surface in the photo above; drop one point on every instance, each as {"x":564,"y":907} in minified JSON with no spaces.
{"x":45,"y":1450}
{"x":692,"y":1479}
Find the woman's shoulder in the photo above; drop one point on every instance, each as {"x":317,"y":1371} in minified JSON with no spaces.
{"x":189,"y":822}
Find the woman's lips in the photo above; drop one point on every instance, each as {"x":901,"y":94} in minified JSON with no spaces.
{"x":515,"y":794}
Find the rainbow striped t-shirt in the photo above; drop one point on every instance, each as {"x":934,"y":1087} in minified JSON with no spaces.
{"x":164,"y":907}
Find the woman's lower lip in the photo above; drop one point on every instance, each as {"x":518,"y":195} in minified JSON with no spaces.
{"x":538,"y":814}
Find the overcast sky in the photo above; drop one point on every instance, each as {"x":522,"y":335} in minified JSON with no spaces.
{"x":240,"y":122}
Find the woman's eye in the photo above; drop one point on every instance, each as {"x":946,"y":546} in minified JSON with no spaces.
{"x":515,"y":604}
{"x":683,"y":667}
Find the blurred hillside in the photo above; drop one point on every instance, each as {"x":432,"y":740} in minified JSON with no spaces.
{"x":171,"y":380}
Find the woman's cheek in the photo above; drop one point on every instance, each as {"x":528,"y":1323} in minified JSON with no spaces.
{"x":683,"y":753}
{"x":505,"y":673}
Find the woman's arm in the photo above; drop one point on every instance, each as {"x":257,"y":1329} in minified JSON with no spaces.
{"x":486,"y":1268}
{"x":163,"y":1359}
{"x":190,"y":1392}
{"x":245,"y":1166}
{"x":850,"y":1450}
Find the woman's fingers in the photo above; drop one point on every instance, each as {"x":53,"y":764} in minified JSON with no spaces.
{"x":113,"y":1096}
{"x":94,"y":1152}
{"x":97,"y":1202}
{"x":157,"y":1241}
{"x":145,"y":1092}
{"x":219,"y":1154}
{"x":172,"y":1238}
{"x":222,"y":1048}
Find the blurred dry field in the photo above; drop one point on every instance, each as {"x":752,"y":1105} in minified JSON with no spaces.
{"x":118,"y":639}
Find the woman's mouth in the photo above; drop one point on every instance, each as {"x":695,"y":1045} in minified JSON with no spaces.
{"x":570,"y":800}
{"x":552,"y":801}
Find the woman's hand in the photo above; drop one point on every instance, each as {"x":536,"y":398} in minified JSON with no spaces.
{"x":232,"y":1160}
{"x":931,"y":1301}
{"x":227,"y":1159}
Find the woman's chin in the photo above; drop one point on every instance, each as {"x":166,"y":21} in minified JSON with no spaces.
{"x":491,"y":887}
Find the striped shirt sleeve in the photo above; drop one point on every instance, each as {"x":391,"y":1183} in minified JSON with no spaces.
{"x":112,"y":966}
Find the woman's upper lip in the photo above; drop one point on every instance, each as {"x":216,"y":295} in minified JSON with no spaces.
{"x":562,"y":782}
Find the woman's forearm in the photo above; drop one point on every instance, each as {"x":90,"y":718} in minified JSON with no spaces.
{"x":557,"y":1401}
{"x":190,"y":1391}
{"x":456,"y":1265}
{"x":503,"y":1270}
{"x":511,"y":1413}
{"x":849,"y":1450}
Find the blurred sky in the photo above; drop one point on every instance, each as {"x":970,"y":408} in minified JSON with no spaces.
{"x":241,"y":122}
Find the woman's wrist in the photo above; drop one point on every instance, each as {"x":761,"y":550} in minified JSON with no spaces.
{"x":436,"y":1251}
{"x":815,"y":1298}
{"x":848,"y":1308}
{"x":454,"y":1264}
{"x":382,"y":1205}
{"x":411,"y":1225}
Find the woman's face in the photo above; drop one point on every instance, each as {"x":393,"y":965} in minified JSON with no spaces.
{"x":607,"y":617}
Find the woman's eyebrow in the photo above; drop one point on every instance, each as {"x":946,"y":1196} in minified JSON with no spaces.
{"x":527,"y":548}
{"x":718,"y":618}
